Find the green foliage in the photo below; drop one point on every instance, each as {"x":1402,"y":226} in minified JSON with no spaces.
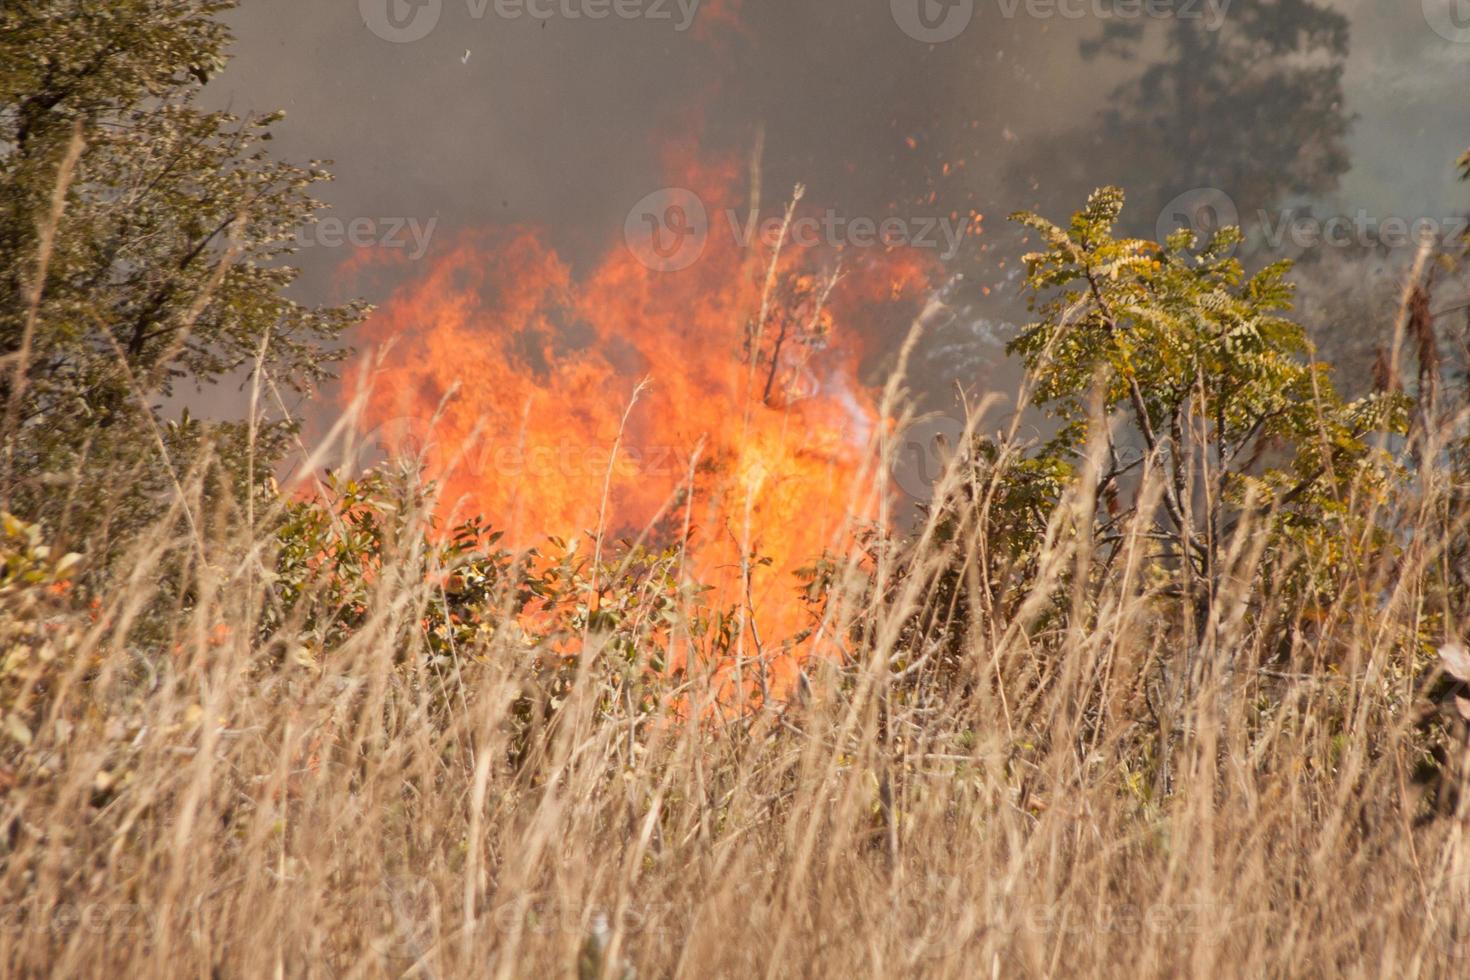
{"x":1187,"y":412}
{"x":1213,"y":379}
{"x":163,"y":264}
{"x":356,"y":541}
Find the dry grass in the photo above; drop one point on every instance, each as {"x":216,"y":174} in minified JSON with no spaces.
{"x":1050,"y":800}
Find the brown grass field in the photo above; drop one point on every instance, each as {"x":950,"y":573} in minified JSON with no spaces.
{"x":1051,"y":801}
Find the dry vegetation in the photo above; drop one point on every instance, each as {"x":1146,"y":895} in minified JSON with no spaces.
{"x":1181,"y":691}
{"x":212,"y":770}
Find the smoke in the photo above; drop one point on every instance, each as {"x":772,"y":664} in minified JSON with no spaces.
{"x":558,"y":121}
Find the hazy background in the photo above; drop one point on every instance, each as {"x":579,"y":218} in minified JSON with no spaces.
{"x":559,"y":123}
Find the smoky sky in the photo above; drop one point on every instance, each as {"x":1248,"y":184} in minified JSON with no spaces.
{"x":557,"y":123}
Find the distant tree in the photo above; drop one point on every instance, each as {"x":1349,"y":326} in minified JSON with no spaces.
{"x":1248,"y":100}
{"x":141,"y":248}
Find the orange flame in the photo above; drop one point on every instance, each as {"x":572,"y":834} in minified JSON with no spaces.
{"x":542,"y":364}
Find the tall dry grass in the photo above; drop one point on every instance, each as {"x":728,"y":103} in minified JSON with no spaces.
{"x":1091,"y":794}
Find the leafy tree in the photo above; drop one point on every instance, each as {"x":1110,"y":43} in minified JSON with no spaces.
{"x":1211,"y":377}
{"x":1187,"y":410}
{"x":143,"y":242}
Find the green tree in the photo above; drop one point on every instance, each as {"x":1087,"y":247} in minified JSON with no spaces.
{"x":1187,"y":408}
{"x":144,"y":243}
{"x":1213,"y":381}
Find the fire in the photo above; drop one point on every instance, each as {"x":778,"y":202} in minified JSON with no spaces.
{"x":754,"y":433}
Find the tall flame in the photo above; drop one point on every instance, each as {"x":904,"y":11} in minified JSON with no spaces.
{"x":535,"y":367}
